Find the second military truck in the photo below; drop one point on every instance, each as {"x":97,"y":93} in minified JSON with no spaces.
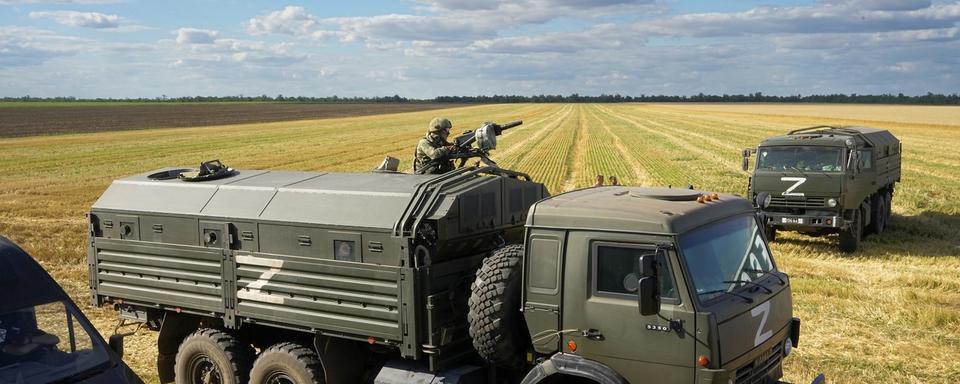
{"x":305,"y":277}
{"x":827,"y":179}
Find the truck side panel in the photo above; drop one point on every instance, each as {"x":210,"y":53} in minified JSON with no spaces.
{"x":352,"y":298}
{"x":173,"y":275}
{"x":342,"y":297}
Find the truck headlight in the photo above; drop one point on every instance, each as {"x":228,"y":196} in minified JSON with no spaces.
{"x":787,"y":347}
{"x":831,"y":202}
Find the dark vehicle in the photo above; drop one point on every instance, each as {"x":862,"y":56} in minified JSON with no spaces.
{"x":44,"y":338}
{"x":385,"y":277}
{"x":826,"y":179}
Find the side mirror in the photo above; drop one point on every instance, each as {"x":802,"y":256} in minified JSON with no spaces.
{"x":648,"y":289}
{"x":745,"y":164}
{"x":116,"y":344}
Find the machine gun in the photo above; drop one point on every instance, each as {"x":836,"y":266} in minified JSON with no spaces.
{"x":486,"y":139}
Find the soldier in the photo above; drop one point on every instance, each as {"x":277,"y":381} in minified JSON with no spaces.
{"x":431,"y":155}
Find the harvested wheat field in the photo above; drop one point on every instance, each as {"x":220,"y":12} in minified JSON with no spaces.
{"x":889,"y":313}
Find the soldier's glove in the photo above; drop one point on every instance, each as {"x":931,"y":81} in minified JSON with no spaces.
{"x":451,"y":149}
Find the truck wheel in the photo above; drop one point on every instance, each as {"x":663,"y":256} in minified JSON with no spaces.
{"x":210,"y":356}
{"x":888,"y":197}
{"x":771,"y":234}
{"x":496,"y":323}
{"x":878,"y":215}
{"x":850,"y":236}
{"x":881,"y":215}
{"x":287,"y":363}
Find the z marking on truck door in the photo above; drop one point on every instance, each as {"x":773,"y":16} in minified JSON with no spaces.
{"x":763,"y":309}
{"x":799,"y":181}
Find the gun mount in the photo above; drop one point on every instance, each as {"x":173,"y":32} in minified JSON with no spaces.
{"x":485,"y":138}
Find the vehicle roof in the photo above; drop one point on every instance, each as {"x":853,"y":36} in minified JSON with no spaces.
{"x":23,"y":281}
{"x":304,"y":197}
{"x":634,"y":209}
{"x":833,"y":136}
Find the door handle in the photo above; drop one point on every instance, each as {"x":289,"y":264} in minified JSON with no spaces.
{"x":593,"y":334}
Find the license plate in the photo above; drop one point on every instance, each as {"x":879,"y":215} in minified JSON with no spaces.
{"x":791,"y":220}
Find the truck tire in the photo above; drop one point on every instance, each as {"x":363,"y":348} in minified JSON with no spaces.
{"x":496,"y":323}
{"x":878,"y":214}
{"x":850,"y":236}
{"x":287,"y":363}
{"x":888,"y":197}
{"x":212,"y":356}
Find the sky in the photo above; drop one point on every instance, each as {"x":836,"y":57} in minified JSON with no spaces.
{"x":429,"y":48}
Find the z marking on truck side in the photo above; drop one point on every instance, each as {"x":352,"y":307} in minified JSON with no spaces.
{"x":756,"y":311}
{"x":799,"y":181}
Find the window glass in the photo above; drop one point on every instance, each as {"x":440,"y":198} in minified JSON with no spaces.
{"x":724,"y":255}
{"x":800,"y":158}
{"x":46,"y":343}
{"x":615,"y":271}
{"x":866,"y":159}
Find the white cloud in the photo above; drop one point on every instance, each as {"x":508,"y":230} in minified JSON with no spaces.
{"x":30,"y":46}
{"x":291,"y":20}
{"x":79,"y":19}
{"x":828,"y":18}
{"x":195,"y":36}
{"x":882,"y":5}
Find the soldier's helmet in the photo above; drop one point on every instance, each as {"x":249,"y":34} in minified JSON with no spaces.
{"x":439,"y":124}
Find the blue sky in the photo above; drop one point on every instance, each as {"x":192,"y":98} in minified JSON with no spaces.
{"x":426,"y":48}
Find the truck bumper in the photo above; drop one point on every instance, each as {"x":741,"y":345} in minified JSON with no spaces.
{"x":787,"y":220}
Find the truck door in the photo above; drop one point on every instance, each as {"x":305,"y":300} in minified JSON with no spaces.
{"x":861,"y":180}
{"x":600,"y":302}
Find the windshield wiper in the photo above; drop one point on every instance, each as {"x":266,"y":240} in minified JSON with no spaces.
{"x":771,"y":272}
{"x":745,"y":298}
{"x":798,"y":170}
{"x":749,"y":282}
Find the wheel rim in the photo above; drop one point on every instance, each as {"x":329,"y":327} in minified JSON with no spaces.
{"x":279,"y":378}
{"x":204,"y":370}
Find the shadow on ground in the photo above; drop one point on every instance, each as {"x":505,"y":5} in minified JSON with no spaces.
{"x":930,"y":234}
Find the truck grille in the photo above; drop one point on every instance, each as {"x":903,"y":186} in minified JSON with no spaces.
{"x":756,"y":372}
{"x":798,"y":202}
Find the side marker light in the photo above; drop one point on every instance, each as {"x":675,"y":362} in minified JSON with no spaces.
{"x":703,"y":361}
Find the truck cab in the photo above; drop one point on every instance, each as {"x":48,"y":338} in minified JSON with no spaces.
{"x":825,"y":180}
{"x":625,"y":284}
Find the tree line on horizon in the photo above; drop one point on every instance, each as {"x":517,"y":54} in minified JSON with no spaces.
{"x":758,"y":97}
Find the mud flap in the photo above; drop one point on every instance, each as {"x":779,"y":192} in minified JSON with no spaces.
{"x":173,"y":330}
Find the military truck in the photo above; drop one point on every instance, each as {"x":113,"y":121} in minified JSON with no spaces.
{"x":827,"y":179}
{"x":475,"y":275}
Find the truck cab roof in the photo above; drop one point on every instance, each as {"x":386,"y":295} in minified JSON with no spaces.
{"x":833,"y":136}
{"x":634,"y":209}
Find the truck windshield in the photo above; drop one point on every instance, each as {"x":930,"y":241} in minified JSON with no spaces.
{"x":800,"y":158}
{"x":723,"y":256}
{"x":46,"y":343}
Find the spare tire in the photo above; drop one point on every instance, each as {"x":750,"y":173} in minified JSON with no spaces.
{"x":497,"y":326}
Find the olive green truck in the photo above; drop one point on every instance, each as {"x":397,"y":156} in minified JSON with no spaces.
{"x":827,"y":179}
{"x":476,"y":275}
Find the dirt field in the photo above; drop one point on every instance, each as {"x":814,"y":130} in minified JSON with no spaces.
{"x":887,"y":314}
{"x":31,"y":119}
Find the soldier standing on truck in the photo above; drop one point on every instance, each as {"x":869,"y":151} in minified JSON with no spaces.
{"x":433,"y":149}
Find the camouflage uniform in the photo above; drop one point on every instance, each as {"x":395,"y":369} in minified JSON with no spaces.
{"x":434,"y":148}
